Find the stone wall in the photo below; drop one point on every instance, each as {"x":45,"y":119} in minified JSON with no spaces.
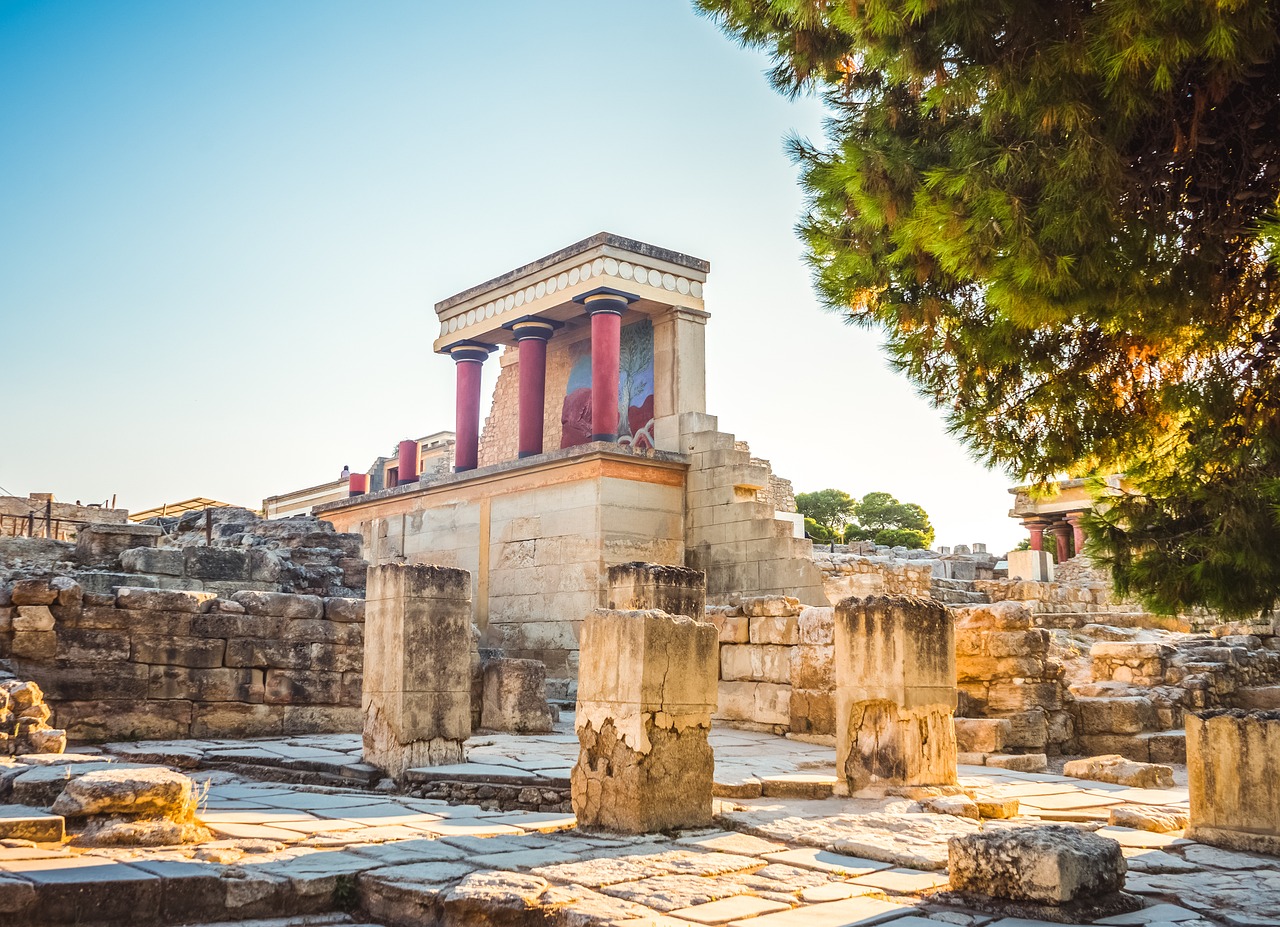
{"x":845,"y":575}
{"x":500,"y":437}
{"x":152,"y":663}
{"x":776,"y":666}
{"x":44,"y":517}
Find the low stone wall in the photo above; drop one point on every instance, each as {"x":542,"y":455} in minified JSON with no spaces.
{"x":152,"y":663}
{"x":845,"y":575}
{"x":1233,"y":761}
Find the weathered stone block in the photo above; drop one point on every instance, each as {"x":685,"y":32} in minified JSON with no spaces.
{"x":813,"y":667}
{"x":645,"y":696}
{"x":267,"y":654}
{"x":757,"y":662}
{"x":280,"y":604}
{"x":515,"y":696}
{"x":235,"y":719}
{"x":97,"y":647}
{"x":216,"y":563}
{"x":1233,"y":767}
{"x":1024,"y":696}
{"x":220,"y":684}
{"x":1130,"y":714}
{"x":302,"y":687}
{"x":101,"y":545}
{"x":816,"y":625}
{"x":771,"y":606}
{"x":672,"y":589}
{"x":417,"y":666}
{"x":32,"y":592}
{"x":165,"y":600}
{"x":33,"y":618}
{"x":162,"y":561}
{"x":344,"y":610}
{"x":1051,"y":864}
{"x":128,"y":719}
{"x":40,"y":646}
{"x":813,"y":711}
{"x":982,"y":735}
{"x":1116,"y":769}
{"x":774,"y":629}
{"x":895,"y":692}
{"x":732,"y":629}
{"x":178,"y":652}
{"x":757,"y":702}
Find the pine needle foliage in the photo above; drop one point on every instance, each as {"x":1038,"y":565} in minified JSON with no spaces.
{"x":1063,"y":217}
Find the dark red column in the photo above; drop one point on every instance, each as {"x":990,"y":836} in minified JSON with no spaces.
{"x":408,"y":463}
{"x":1062,"y":534}
{"x":606,"y":311}
{"x":1036,"y":530}
{"x":1073,"y":519}
{"x":358,"y":484}
{"x":532,"y":335}
{"x":469,"y":357}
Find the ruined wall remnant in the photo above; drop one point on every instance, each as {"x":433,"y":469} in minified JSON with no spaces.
{"x":152,"y":663}
{"x":418,"y":672}
{"x":845,"y":575}
{"x":1233,"y":768}
{"x":675,"y":590}
{"x":895,"y":671}
{"x":645,"y":699}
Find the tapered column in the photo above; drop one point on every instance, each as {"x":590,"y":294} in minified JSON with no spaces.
{"x":605,"y":306}
{"x":1073,"y":519}
{"x":1035,"y":528}
{"x":1062,"y":535}
{"x":532,"y":335}
{"x":469,"y":356}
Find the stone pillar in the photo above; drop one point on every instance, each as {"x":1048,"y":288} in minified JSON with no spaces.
{"x":605,"y":306}
{"x":671,"y":589}
{"x":1233,"y":770}
{"x":1034,"y":565}
{"x":1062,"y":537}
{"x":532,"y":335}
{"x":895,"y":668}
{"x":646,"y":690}
{"x":417,"y":666}
{"x":469,"y":356}
{"x":1077,"y":530}
{"x":679,"y":371}
{"x":407,"y":462}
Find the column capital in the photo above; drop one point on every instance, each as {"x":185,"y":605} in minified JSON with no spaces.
{"x":533,"y":326}
{"x":605,"y":299}
{"x":475,"y":351}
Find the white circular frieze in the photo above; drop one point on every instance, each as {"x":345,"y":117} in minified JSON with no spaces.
{"x":668,"y":281}
{"x":509,"y":301}
{"x":574,"y":275}
{"x":471,"y":317}
{"x":682,"y":286}
{"x":562,"y":281}
{"x":695,"y":289}
{"x":540,"y":291}
{"x":655,"y":278}
{"x":551,"y":285}
{"x":519,"y":298}
{"x":597,"y":266}
{"x":624,"y":270}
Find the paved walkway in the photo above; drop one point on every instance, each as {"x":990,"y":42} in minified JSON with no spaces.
{"x":770,"y":862}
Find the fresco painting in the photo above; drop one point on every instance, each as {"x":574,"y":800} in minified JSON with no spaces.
{"x":635,"y":391}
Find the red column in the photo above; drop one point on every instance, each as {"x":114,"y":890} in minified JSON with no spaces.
{"x":1078,"y":529}
{"x":532,"y":335}
{"x":605,"y":310}
{"x":1036,"y":530}
{"x":358,"y":484}
{"x":468,"y":356}
{"x":1062,"y":534}
{"x":408,"y":463}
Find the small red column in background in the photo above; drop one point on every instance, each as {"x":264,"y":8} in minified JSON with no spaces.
{"x":408,"y":464}
{"x":469,"y":356}
{"x":358,"y":485}
{"x":1073,"y":519}
{"x":532,"y":335}
{"x":605,"y":306}
{"x":1036,"y":530}
{"x":1062,"y":534}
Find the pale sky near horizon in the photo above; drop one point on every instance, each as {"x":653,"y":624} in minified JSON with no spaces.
{"x":223,"y":228}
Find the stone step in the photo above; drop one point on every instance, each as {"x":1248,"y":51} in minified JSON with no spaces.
{"x":22,"y":822}
{"x":1264,"y":697}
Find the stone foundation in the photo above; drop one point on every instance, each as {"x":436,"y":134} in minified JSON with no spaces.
{"x":645,"y":698}
{"x":895,"y":692}
{"x":1233,"y":764}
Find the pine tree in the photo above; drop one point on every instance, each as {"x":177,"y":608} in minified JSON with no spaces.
{"x":1063,"y":216}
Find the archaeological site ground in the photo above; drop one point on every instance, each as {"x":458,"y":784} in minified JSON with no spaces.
{"x":577,"y":664}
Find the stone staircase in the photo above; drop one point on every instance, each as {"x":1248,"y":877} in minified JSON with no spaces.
{"x":957,"y":592}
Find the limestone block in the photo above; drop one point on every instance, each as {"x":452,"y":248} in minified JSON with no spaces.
{"x":813,"y":667}
{"x":280,"y":604}
{"x":1027,"y":729}
{"x":1031,"y":565}
{"x":149,"y":791}
{"x":40,"y":646}
{"x":816,"y":625}
{"x":33,"y":618}
{"x":1115,"y":768}
{"x":417,"y":666}
{"x":771,"y":606}
{"x":646,"y":691}
{"x":1129,"y":714}
{"x":178,"y":651}
{"x":344,"y":610}
{"x":755,"y":661}
{"x":758,"y":702}
{"x":163,"y":561}
{"x":1146,"y":817}
{"x":982,"y":735}
{"x":515,"y":697}
{"x":1019,"y":762}
{"x":246,"y":652}
{"x":732,"y":629}
{"x":895,"y":692}
{"x":771,"y":629}
{"x":219,"y":684}
{"x":812,"y":712}
{"x":1233,"y":766}
{"x":1051,"y":864}
{"x":33,"y":592}
{"x":673,"y":589}
{"x":168,"y":600}
{"x":216,"y":563}
{"x":302,"y":687}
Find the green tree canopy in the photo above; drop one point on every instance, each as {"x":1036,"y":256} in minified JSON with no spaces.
{"x":829,"y":509}
{"x":1063,"y":216}
{"x":882,"y":518}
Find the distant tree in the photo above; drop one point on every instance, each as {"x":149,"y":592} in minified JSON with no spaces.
{"x":879,"y":512}
{"x":829,"y":509}
{"x":816,"y":531}
{"x":902,"y":537}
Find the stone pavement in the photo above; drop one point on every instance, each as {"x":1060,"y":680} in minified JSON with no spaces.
{"x":289,"y":849}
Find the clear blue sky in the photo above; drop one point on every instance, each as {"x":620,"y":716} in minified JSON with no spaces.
{"x":223,"y":227}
